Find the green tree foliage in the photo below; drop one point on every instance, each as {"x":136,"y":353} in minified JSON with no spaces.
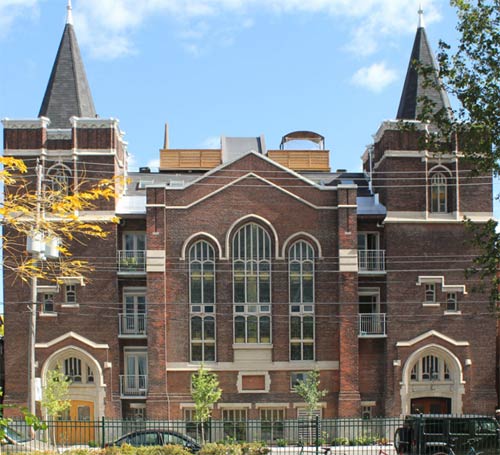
{"x":205,"y":392}
{"x":55,"y":398}
{"x":308,"y":390}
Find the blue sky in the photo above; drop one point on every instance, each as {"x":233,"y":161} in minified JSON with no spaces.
{"x":224,"y":67}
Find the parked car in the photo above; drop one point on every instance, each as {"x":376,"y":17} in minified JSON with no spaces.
{"x":427,"y":433}
{"x":15,"y":442}
{"x":157,"y":438}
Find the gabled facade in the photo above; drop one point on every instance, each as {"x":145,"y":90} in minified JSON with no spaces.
{"x":262,"y":265}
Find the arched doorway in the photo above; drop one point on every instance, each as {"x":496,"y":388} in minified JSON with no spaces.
{"x":86,"y":394}
{"x":432,"y":382}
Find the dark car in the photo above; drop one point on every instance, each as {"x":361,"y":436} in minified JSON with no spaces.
{"x":14,"y":442}
{"x":428,"y":433}
{"x":157,"y":438}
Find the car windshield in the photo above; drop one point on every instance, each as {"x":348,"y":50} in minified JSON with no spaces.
{"x":15,"y":436}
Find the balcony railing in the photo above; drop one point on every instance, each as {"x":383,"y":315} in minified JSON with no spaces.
{"x":131,"y":261}
{"x":132,"y":386}
{"x":132,"y":324}
{"x":372,"y":325}
{"x":371,"y":260}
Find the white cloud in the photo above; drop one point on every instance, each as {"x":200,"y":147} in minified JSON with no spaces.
{"x":374,"y":77}
{"x":107,"y":27}
{"x":10,"y":10}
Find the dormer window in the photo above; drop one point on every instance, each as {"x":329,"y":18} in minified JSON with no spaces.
{"x":438,"y":193}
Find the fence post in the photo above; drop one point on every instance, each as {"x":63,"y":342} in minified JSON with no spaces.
{"x":102,"y":433}
{"x":317,"y":434}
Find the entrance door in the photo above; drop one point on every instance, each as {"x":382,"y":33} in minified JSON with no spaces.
{"x":77,"y":426}
{"x":431,"y":405}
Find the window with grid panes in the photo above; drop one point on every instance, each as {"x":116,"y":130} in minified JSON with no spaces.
{"x":235,"y":424}
{"x":438,"y":193}
{"x":48,"y":303}
{"x":70,"y":294}
{"x":430,"y":368}
{"x":430,"y":293}
{"x":271,"y":424}
{"x":301,"y":279}
{"x":252,"y":285}
{"x":202,"y":301}
{"x":451,"y":301}
{"x":73,"y":369}
{"x":193,"y":427}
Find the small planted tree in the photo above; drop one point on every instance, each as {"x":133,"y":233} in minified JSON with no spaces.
{"x":308,"y":390}
{"x":205,"y":392}
{"x":55,"y":398}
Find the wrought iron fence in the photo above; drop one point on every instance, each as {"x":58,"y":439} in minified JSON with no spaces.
{"x":374,"y":436}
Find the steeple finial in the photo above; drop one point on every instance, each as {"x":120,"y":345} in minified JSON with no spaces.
{"x":420,"y":17}
{"x":69,"y":17}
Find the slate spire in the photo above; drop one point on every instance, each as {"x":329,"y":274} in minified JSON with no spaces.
{"x":414,"y":88}
{"x":68,"y":92}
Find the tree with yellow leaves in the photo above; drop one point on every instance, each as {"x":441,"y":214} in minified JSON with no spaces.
{"x":46,"y":218}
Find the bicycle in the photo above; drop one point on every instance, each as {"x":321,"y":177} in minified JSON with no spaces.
{"x":324,"y":450}
{"x":451,"y":444}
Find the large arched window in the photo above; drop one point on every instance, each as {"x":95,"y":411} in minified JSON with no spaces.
{"x":202,"y":301}
{"x":301,"y":279}
{"x":59,"y":179}
{"x":252,"y":284}
{"x":430,"y":368}
{"x":439,"y":199}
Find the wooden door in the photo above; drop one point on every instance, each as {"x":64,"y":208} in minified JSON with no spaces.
{"x":431,"y":405}
{"x":77,"y":425}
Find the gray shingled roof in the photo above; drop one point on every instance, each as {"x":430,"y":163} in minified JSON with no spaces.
{"x":410,"y":104}
{"x":68,"y":92}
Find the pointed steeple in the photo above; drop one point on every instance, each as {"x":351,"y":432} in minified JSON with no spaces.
{"x":68,"y":92}
{"x":414,"y":87}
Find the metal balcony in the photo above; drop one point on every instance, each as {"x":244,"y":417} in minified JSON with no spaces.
{"x":131,"y":261}
{"x":372,"y":325}
{"x":132,"y":325}
{"x":133,"y":386}
{"x":371,"y":261}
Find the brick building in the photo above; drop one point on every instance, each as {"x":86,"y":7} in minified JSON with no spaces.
{"x":262,"y":264}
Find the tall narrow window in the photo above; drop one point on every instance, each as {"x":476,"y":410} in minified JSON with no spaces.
{"x":70,"y":294}
{"x":438,"y":193}
{"x":301,"y":278}
{"x":451,"y":301}
{"x":430,"y":293}
{"x":48,"y":303}
{"x":202,"y":301}
{"x":252,"y":285}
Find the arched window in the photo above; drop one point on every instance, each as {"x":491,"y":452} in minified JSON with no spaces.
{"x":301,"y":266}
{"x":430,"y":368}
{"x":252,"y":284}
{"x":59,"y":179}
{"x":202,"y":274}
{"x":301,"y":279}
{"x":77,"y":371}
{"x":439,"y":193}
{"x":202,"y":300}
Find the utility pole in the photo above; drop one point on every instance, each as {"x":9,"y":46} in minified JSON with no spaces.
{"x":36,"y":250}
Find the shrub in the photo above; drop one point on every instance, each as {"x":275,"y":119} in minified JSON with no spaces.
{"x":254,"y":448}
{"x":281,"y":442}
{"x":217,"y":448}
{"x":340,"y":442}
